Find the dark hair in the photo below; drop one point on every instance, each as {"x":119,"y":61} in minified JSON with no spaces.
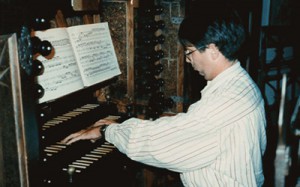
{"x":222,"y":28}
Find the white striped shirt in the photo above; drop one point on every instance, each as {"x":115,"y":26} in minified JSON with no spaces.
{"x":218,"y":142}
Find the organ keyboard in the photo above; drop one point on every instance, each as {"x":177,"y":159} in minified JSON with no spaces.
{"x":83,"y":163}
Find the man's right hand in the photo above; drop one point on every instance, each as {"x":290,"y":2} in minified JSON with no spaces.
{"x":91,"y":133}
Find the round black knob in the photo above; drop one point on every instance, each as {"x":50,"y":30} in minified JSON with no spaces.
{"x":157,"y":83}
{"x":42,"y":47}
{"x":151,"y":11}
{"x":45,"y":113}
{"x":158,"y":69}
{"x":153,"y":112}
{"x":151,"y":25}
{"x":161,"y":39}
{"x":158,"y":96}
{"x":36,"y":42}
{"x":37,"y":68}
{"x":40,"y":23}
{"x":169,"y":103}
{"x":39,"y":91}
{"x":150,"y":40}
{"x":160,"y":24}
{"x":158,"y":10}
{"x":45,"y":48}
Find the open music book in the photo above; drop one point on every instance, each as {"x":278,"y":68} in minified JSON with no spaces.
{"x":83,"y":56}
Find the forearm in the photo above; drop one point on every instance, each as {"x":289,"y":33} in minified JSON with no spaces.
{"x":164,"y":143}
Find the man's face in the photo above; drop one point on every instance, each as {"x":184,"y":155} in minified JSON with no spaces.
{"x":200,"y":61}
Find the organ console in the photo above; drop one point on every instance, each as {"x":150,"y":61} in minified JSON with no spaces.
{"x":39,"y":127}
{"x":82,"y":163}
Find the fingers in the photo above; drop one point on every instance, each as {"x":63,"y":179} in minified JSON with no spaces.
{"x":75,"y":139}
{"x":91,"y":133}
{"x":87,"y":134}
{"x":72,"y":137}
{"x":102,"y":122}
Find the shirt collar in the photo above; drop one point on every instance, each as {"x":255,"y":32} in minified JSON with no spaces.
{"x":220,"y":79}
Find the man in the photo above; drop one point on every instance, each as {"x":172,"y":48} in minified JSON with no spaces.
{"x":220,"y":140}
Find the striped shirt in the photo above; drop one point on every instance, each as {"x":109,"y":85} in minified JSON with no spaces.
{"x":219,"y":141}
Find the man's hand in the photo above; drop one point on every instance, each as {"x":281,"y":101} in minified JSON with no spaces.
{"x":91,"y":133}
{"x":103,"y":122}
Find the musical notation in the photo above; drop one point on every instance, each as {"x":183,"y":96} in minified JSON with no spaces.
{"x":95,"y":51}
{"x":83,"y":55}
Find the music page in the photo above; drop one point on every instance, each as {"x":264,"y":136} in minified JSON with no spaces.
{"x":95,"y":52}
{"x":61,"y":75}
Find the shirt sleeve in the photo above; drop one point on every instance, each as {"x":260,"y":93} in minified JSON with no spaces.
{"x":169,"y":142}
{"x":181,"y":143}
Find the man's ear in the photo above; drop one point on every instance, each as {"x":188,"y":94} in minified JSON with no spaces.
{"x":213,"y":51}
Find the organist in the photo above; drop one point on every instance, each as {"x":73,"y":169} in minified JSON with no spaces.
{"x":220,"y":140}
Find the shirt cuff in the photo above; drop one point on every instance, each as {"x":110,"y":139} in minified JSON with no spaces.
{"x":109,"y":132}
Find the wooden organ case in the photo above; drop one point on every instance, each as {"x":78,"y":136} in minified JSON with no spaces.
{"x":47,"y":161}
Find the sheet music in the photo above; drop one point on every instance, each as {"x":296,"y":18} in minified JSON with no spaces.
{"x":95,"y":52}
{"x":61,"y":74}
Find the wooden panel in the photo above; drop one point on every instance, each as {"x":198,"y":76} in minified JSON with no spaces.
{"x":119,"y":15}
{"x":60,"y":19}
{"x":130,"y":43}
{"x":13,"y":155}
{"x":82,"y":5}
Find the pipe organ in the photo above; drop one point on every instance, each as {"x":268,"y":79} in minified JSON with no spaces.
{"x":83,"y":163}
{"x":45,"y":160}
{"x":41,"y":159}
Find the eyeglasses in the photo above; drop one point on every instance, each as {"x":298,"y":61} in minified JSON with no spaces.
{"x":189,"y":52}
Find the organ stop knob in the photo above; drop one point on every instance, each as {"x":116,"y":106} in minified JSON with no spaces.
{"x":71,"y":171}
